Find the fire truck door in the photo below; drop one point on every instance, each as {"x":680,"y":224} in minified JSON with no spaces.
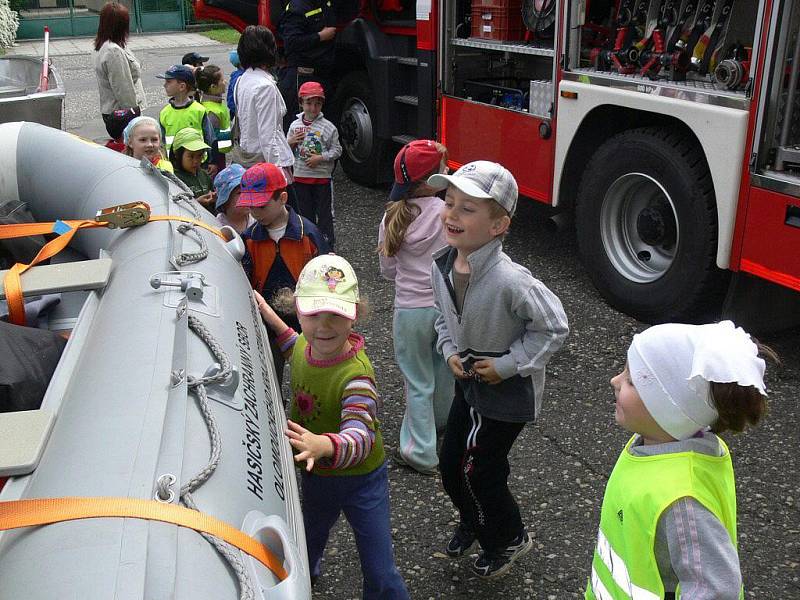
{"x":771,"y":241}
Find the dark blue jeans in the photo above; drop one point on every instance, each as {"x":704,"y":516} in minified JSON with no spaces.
{"x":364,"y":499}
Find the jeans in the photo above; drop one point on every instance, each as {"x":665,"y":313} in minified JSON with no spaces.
{"x":474,"y":467}
{"x":364,"y":499}
{"x":315,"y":203}
{"x":428,"y":385}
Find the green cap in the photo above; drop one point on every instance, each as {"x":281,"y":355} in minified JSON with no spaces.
{"x":189,"y":138}
{"x":327,"y":284}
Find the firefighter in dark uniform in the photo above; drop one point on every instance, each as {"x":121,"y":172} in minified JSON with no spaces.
{"x":307,"y":28}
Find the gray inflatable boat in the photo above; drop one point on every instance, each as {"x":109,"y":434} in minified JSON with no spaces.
{"x":165,"y":393}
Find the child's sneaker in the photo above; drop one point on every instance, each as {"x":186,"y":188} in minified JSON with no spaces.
{"x":462,"y":541}
{"x":495,"y":564}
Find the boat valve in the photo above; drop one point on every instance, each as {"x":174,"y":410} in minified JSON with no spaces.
{"x":190,"y":282}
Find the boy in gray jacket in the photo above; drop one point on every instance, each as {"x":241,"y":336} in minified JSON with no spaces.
{"x":497,"y":328}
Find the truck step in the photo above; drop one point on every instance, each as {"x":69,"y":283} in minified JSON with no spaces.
{"x":403,"y":138}
{"x":411,"y":61}
{"x":410,"y":100}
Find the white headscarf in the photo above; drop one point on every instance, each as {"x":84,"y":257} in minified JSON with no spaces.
{"x":134,"y":123}
{"x":671,"y":366}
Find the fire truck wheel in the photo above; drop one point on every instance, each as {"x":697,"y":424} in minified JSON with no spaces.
{"x":646,"y":221}
{"x":363,"y":153}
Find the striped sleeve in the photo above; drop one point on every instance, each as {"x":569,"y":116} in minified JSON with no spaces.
{"x":701,"y":554}
{"x":286,"y":341}
{"x":353,"y":443}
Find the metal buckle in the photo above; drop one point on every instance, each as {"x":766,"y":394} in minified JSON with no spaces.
{"x":123,"y":216}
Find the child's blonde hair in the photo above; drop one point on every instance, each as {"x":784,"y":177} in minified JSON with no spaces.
{"x":401,"y":213}
{"x":131,"y":128}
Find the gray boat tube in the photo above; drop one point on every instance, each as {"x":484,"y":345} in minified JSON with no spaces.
{"x":128,"y":422}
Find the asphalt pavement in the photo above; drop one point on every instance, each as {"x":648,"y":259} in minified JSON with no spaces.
{"x":559,"y":465}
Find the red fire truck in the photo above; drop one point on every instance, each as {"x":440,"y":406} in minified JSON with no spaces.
{"x":669,"y":128}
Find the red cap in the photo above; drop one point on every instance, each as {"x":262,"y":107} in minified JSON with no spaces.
{"x":311,"y":89}
{"x":415,"y":160}
{"x":258,"y":184}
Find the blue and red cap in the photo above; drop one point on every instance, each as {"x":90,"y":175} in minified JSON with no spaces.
{"x":259,"y":183}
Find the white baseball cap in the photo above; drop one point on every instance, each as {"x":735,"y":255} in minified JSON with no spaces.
{"x":482,"y":179}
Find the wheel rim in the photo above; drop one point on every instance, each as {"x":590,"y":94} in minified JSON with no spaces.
{"x":639,"y":228}
{"x":355,"y":128}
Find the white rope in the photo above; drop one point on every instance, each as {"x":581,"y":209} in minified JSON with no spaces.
{"x":197,"y":385}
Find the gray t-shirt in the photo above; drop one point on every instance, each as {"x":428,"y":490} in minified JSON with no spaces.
{"x":692,"y":546}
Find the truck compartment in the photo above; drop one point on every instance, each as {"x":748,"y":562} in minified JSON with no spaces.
{"x":693,"y":44}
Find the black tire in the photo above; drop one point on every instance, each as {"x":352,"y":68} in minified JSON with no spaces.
{"x":365,"y":157}
{"x":646,"y":221}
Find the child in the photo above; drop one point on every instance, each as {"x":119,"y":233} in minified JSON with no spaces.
{"x":182,"y":110}
{"x":315,"y":142}
{"x":334,"y":425}
{"x":142,"y":138}
{"x":228,"y":186}
{"x":409,"y":234}
{"x":187,"y":155}
{"x":116,"y":122}
{"x":669,"y":511}
{"x":211,"y":83}
{"x":233,"y":57}
{"x":497,"y":329}
{"x":193,"y":59}
{"x":279,"y":244}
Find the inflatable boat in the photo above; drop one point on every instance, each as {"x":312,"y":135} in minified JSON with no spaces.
{"x":156,"y":467}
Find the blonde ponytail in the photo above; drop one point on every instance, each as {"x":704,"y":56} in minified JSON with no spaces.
{"x":399,"y":215}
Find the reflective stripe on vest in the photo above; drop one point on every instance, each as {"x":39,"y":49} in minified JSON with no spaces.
{"x":600,"y":591}
{"x":616,"y":566}
{"x":311,"y":13}
{"x":224,"y":116}
{"x":639,"y":491}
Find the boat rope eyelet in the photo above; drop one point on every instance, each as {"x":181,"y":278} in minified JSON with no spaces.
{"x":164,"y":492}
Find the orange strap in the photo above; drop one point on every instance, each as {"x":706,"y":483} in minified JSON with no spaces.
{"x":12,"y":281}
{"x":44,"y":511}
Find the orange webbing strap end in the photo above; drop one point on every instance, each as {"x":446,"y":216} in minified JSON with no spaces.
{"x":44,"y":511}
{"x":12,"y":282}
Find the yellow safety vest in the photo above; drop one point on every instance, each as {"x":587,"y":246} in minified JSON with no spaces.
{"x":174,"y":119}
{"x":639,"y":490}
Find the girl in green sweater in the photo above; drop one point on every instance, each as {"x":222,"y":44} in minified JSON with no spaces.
{"x":333,"y":422}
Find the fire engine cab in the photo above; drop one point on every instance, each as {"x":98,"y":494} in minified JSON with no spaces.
{"x":669,"y":128}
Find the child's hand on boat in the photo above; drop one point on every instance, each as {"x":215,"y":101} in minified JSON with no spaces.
{"x":208,"y":199}
{"x":310,"y":446}
{"x":270,"y":317}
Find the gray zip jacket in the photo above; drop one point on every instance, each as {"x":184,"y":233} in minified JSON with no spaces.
{"x":507,"y":315}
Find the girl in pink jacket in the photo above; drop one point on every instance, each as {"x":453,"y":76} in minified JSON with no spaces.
{"x":410,"y":232}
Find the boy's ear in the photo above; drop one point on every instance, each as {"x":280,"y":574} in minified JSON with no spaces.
{"x":283,"y":197}
{"x":501,"y":225}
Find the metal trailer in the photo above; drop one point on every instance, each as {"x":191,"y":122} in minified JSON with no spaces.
{"x":20,"y":99}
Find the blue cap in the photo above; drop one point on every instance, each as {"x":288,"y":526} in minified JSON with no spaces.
{"x":233,"y":57}
{"x":226,"y":181}
{"x":179,"y":72}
